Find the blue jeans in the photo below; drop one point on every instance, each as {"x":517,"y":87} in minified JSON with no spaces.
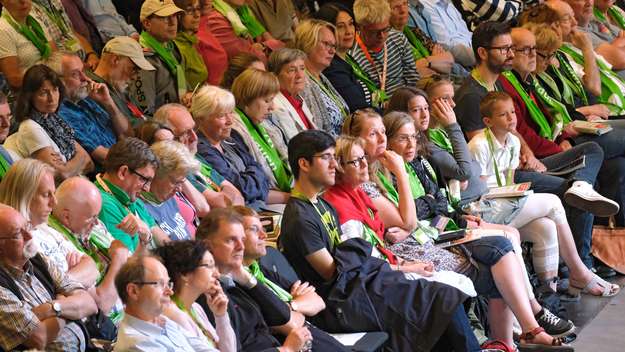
{"x":611,"y":183}
{"x":612,"y":143}
{"x":487,"y":252}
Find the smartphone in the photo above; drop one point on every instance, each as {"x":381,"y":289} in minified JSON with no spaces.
{"x":450,"y":236}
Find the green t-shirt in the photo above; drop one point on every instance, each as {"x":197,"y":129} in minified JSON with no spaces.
{"x":115,"y":207}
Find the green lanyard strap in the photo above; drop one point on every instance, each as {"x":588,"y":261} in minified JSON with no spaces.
{"x":328,"y":221}
{"x":491,"y":146}
{"x":439,"y":137}
{"x":378,"y":96}
{"x":544,"y":130}
{"x":32,"y":31}
{"x":254,"y":269}
{"x":165,"y":53}
{"x":263,"y":141}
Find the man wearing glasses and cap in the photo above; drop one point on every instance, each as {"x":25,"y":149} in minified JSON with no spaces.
{"x":167,"y":83}
{"x":122,"y":59}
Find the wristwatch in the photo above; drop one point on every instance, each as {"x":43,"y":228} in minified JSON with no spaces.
{"x":56,"y":307}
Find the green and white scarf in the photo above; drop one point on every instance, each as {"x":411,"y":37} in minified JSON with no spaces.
{"x":32,"y":31}
{"x":166,"y":53}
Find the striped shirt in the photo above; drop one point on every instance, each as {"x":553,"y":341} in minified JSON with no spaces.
{"x":401,"y":66}
{"x":478,"y":11}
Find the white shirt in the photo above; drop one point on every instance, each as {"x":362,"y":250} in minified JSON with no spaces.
{"x":506,"y":156}
{"x":53,"y":245}
{"x":30,"y":138}
{"x":139,"y":335}
{"x":12,"y":43}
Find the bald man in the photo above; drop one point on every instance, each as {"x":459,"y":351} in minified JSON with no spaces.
{"x":76,"y":217}
{"x":37,"y":311}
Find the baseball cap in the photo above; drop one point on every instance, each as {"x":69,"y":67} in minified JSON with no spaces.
{"x":126,"y":46}
{"x":161,"y":8}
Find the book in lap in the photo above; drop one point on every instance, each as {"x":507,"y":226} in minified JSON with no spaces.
{"x":591,"y":127}
{"x":511,"y":191}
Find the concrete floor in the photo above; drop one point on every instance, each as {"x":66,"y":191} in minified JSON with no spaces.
{"x":600,"y":322}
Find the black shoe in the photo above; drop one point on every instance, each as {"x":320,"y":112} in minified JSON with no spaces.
{"x":603,"y":271}
{"x":554,"y":325}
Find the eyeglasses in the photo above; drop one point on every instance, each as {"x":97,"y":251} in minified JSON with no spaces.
{"x":404,"y":138}
{"x":146,"y":180}
{"x":547,"y":57}
{"x":178,"y":183}
{"x":527,"y":51}
{"x":328,"y":45}
{"x":378,"y":32}
{"x":358,"y":162}
{"x":19,"y":235}
{"x":503,"y":50}
{"x":160,"y":284}
{"x":325,"y":157}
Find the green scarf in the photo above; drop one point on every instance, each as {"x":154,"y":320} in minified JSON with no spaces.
{"x":279,"y":168}
{"x":439,"y":137}
{"x":416,"y":187}
{"x":609,"y":88}
{"x":419,"y":51}
{"x":206,"y":171}
{"x":250,"y":22}
{"x":559,"y":114}
{"x":166,"y":53}
{"x":254,"y":269}
{"x":391,"y":192}
{"x":615,"y":12}
{"x":242,"y":19}
{"x":195,"y":70}
{"x":544,"y":130}
{"x":378,"y":96}
{"x":32,"y":31}
{"x":4,"y":166}
{"x":569,"y":78}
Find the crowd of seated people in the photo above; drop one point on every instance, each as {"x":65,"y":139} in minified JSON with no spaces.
{"x":262,"y":175}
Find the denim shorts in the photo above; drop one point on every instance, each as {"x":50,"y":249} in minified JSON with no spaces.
{"x":486,"y":252}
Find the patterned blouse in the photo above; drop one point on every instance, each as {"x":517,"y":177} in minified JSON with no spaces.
{"x":326,"y":104}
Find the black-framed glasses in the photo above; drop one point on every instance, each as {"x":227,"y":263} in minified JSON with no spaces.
{"x":160,"y":284}
{"x":146,"y":180}
{"x":547,"y":57}
{"x":378,"y":32}
{"x":503,"y":50}
{"x":527,"y":51}
{"x":19,"y":234}
{"x":358,"y":162}
{"x":325,"y":157}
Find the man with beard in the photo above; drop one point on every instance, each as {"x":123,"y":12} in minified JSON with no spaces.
{"x":39,"y":304}
{"x":96,"y":129}
{"x":75,"y":215}
{"x":144,"y":286}
{"x":122,"y":58}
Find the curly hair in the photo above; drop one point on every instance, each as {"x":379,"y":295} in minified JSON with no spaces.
{"x":181,"y":257}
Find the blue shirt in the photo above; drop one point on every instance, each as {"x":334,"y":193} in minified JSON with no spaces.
{"x":167,"y":216}
{"x":92,"y":124}
{"x":444,"y":23}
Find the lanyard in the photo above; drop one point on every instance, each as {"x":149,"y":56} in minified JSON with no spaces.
{"x":476,"y":76}
{"x":254,"y":269}
{"x":195,"y":319}
{"x":378,"y":96}
{"x":491,"y":146}
{"x":326,"y":217}
{"x":329,"y":93}
{"x":365,"y":51}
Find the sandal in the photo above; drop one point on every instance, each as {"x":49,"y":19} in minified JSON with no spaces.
{"x":526,"y":344}
{"x":497,"y":345}
{"x":609,"y":290}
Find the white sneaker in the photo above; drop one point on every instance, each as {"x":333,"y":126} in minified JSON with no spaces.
{"x":581,"y":195}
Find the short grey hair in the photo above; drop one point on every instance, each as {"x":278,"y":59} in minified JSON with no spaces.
{"x":282,"y":57}
{"x":174,"y":158}
{"x":210,"y":100}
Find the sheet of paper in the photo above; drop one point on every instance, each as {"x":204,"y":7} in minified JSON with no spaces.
{"x":348,"y":339}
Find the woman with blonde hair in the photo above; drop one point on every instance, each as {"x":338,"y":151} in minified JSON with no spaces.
{"x":317,"y":39}
{"x":29,"y":188}
{"x":171,"y":198}
{"x":254,"y":91}
{"x":213,"y":111}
